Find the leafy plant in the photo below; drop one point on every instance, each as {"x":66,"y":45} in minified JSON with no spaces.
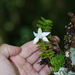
{"x":61,"y":62}
{"x":49,"y":56}
{"x":58,"y":61}
{"x":45,"y":25}
{"x":47,"y":53}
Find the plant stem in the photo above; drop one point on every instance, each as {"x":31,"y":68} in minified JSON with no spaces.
{"x":43,"y":44}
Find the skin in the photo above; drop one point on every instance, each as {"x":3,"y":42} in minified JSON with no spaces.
{"x":21,"y":60}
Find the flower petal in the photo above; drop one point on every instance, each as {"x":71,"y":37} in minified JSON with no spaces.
{"x":39,"y":31}
{"x":45,"y":39}
{"x":35,"y":34}
{"x":35,"y":40}
{"x":45,"y":33}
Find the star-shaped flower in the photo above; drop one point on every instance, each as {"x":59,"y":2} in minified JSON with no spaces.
{"x":40,"y":35}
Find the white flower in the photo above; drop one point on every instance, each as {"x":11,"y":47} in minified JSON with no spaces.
{"x":40,"y":35}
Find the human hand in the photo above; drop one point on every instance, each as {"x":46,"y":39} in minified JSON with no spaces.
{"x":21,"y":60}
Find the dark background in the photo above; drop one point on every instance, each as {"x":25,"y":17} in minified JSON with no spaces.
{"x":18,"y":18}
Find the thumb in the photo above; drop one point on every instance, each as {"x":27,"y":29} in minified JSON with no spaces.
{"x":8,"y":50}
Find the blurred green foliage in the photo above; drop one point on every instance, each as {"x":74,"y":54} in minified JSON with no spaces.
{"x":18,"y":18}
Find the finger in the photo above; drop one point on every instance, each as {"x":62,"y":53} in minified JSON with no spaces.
{"x":27,"y":69}
{"x":56,"y":38}
{"x":45,"y":71}
{"x":37,"y":65}
{"x":28,"y":49}
{"x":8,"y":50}
{"x":33,"y":58}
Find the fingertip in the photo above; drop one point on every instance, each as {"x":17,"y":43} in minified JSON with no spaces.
{"x":56,"y":38}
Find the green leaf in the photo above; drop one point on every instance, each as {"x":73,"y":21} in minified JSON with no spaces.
{"x":44,"y":57}
{"x":49,"y":50}
{"x":47,"y":30}
{"x":58,"y":61}
{"x":42,"y":54}
{"x":39,"y":43}
{"x":48,"y":27}
{"x":50,"y":56}
{"x":41,"y":22}
{"x":47,"y":45}
{"x":48,"y":21}
{"x":43,"y":19}
{"x":38,"y":25}
{"x":40,"y":47}
{"x":42,"y":50}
